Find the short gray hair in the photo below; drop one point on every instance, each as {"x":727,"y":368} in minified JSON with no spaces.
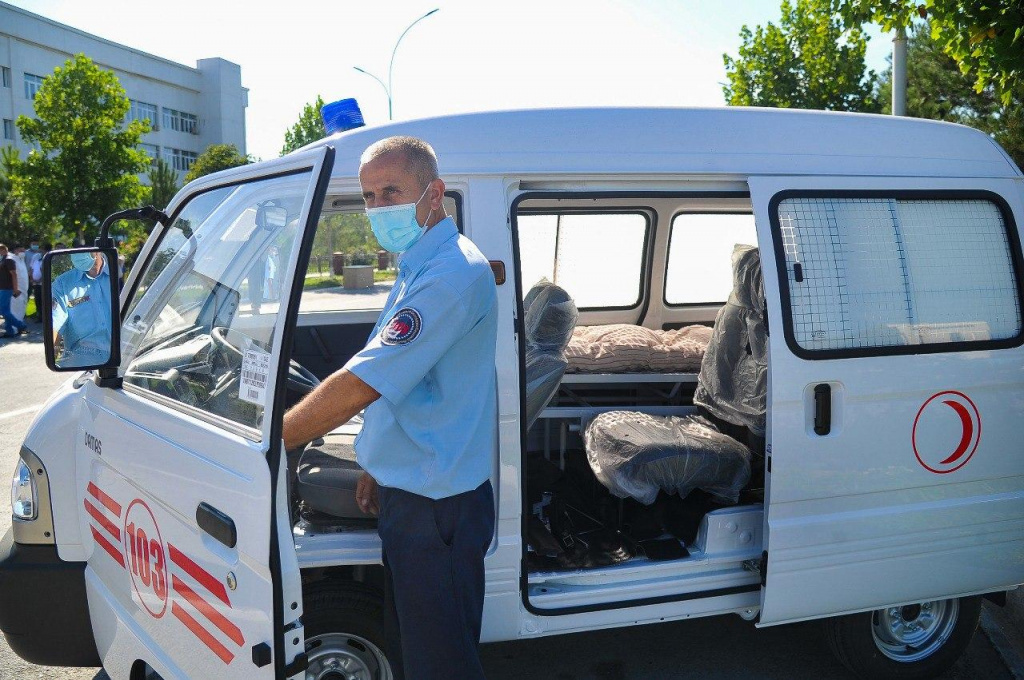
{"x":420,"y":158}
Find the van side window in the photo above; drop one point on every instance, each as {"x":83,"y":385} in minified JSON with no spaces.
{"x":199,"y":330}
{"x":700,"y":256}
{"x":883,"y":272}
{"x":597,"y":257}
{"x":348,"y":270}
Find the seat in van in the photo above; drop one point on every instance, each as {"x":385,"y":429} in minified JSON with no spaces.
{"x":637,"y":454}
{"x":549,"y":316}
{"x":327,"y":472}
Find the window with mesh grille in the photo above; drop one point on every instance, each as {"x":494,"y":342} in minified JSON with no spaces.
{"x":886,"y":272}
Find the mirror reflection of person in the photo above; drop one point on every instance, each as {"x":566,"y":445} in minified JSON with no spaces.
{"x":81,"y":311}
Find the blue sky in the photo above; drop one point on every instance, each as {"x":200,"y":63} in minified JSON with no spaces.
{"x":471,"y":55}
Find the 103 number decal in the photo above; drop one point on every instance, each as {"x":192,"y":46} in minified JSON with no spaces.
{"x":145,"y":558}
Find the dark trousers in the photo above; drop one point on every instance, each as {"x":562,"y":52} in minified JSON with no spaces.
{"x":434,"y":564}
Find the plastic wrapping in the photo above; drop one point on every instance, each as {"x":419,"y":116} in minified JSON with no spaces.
{"x":732,"y":384}
{"x":636,"y":455}
{"x":549,"y":317}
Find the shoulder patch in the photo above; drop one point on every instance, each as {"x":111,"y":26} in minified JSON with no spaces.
{"x":403,"y":328}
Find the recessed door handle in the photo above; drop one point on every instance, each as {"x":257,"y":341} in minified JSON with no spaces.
{"x":822,"y":409}
{"x":216,"y":524}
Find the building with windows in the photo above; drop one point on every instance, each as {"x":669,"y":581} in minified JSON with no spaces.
{"x":188,"y":108}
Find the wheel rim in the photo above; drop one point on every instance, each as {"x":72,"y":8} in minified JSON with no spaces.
{"x":914,"y":632}
{"x":343,"y":656}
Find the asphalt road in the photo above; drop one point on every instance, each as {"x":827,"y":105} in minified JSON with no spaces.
{"x":714,"y":648}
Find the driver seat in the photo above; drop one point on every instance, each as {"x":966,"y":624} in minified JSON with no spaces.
{"x":327,"y":473}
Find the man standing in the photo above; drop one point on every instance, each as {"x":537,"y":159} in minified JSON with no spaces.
{"x":9,"y":289}
{"x":34,"y":261}
{"x":426,"y":378}
{"x":19,"y":304}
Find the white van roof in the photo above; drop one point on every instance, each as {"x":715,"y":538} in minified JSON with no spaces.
{"x":722,"y":141}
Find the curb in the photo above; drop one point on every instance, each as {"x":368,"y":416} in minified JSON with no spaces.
{"x":993,"y":625}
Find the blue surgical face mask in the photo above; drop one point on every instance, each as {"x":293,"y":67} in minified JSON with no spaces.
{"x":395,"y":226}
{"x":82,"y":261}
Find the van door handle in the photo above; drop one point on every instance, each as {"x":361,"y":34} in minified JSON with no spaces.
{"x":217,"y":524}
{"x":822,"y":409}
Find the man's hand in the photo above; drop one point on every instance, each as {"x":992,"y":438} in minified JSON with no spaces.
{"x":367,"y":496}
{"x":16,"y":293}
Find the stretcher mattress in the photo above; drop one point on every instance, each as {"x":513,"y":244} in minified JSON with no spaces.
{"x":637,"y":455}
{"x":625,"y":348}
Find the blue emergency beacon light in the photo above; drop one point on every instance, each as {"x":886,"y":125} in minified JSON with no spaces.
{"x":341,"y":115}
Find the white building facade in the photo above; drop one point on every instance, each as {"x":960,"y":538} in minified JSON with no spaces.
{"x":189,"y":108}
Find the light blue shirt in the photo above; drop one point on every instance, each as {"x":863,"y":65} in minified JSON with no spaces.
{"x":431,"y":356}
{"x":81,"y":314}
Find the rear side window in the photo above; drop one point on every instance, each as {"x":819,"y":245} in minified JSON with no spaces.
{"x":597,"y":257}
{"x":871,"y":272}
{"x":700,"y":256}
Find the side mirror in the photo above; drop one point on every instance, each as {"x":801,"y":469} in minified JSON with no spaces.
{"x":81,"y":315}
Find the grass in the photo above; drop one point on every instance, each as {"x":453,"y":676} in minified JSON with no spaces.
{"x":316,"y":281}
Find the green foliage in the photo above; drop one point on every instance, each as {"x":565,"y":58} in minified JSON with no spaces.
{"x":808,"y":61}
{"x":217,"y":157}
{"x":12,"y":226}
{"x":87,"y":159}
{"x":984,"y":37}
{"x":163,"y":183}
{"x":309,"y":128}
{"x":937,"y":89}
{"x":349,"y":234}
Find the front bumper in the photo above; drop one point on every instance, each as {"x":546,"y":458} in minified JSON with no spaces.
{"x":44,"y":613}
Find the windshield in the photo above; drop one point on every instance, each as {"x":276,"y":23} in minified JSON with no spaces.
{"x":201,"y":324}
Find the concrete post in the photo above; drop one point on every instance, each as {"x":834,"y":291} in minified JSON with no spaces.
{"x":899,"y":73}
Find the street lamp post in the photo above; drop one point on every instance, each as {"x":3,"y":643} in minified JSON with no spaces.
{"x":391,"y":64}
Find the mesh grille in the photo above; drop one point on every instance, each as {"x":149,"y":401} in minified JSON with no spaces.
{"x":880,"y":272}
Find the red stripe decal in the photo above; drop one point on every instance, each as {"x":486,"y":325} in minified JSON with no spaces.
{"x":204,"y":607}
{"x":204,"y":636}
{"x":108,"y":502}
{"x":102,"y":519}
{"x":198,"y":573}
{"x":102,"y":542}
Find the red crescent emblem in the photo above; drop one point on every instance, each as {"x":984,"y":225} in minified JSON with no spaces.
{"x":934,"y":431}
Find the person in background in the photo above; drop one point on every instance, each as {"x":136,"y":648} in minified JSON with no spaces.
{"x":270,"y":278}
{"x":20,"y":303}
{"x":9,"y":290}
{"x":34,"y":261}
{"x":120,"y":271}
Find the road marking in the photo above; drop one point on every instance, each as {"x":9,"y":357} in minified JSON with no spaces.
{"x":20,"y":411}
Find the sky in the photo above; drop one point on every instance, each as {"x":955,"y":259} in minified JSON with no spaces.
{"x":471,"y":55}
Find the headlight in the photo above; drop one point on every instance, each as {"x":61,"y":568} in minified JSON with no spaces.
{"x":23,"y":493}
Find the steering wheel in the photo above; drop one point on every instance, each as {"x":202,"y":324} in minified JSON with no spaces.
{"x":300,"y":379}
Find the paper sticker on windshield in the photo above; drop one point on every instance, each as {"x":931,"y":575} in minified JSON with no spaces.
{"x":255,"y":368}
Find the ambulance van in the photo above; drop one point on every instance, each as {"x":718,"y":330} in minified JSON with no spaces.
{"x":755,"y":362}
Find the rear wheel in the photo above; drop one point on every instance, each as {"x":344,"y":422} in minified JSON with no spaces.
{"x":344,"y":632}
{"x":910,"y":642}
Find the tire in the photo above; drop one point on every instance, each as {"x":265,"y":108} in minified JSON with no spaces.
{"x":905,"y":643}
{"x":344,"y":630}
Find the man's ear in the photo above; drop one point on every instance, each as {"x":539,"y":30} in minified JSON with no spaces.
{"x":436,"y":194}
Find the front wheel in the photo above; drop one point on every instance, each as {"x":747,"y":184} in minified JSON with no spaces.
{"x":905,"y":643}
{"x":344,"y":632}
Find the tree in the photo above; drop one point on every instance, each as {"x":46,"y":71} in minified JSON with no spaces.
{"x":12,"y":226}
{"x":937,"y":89}
{"x":86,"y":160}
{"x":217,"y":157}
{"x":309,"y":128}
{"x":163,"y":183}
{"x":808,"y":61}
{"x":984,"y":38}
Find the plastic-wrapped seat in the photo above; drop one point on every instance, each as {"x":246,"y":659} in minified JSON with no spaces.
{"x":636,"y":455}
{"x":549,"y":316}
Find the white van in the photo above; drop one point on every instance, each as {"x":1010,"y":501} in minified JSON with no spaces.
{"x":841,"y":444}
